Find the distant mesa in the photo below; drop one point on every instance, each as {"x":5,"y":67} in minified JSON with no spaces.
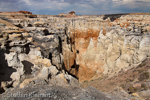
{"x":62,"y":15}
{"x":25,"y":12}
{"x":19,"y":14}
{"x":71,"y":14}
{"x":9,"y":12}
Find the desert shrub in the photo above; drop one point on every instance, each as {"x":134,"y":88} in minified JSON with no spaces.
{"x":122,"y":85}
{"x":144,"y":87}
{"x":140,"y":71}
{"x":129,"y":80}
{"x":85,"y":81}
{"x":142,"y":64}
{"x":132,"y":89}
{"x":144,"y":76}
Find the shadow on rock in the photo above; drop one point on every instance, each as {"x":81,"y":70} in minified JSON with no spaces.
{"x":5,"y":71}
{"x":27,"y":67}
{"x":113,"y":16}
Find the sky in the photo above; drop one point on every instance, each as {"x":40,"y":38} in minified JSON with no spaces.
{"x":81,"y":7}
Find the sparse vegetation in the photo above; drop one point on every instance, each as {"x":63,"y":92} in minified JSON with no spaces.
{"x":85,"y":81}
{"x":122,"y":85}
{"x":112,"y":83}
{"x":129,"y":80}
{"x":142,"y":64}
{"x":144,"y":76}
{"x":144,"y":87}
{"x":132,"y":89}
{"x":140,"y":71}
{"x":147,"y":66}
{"x":92,"y":80}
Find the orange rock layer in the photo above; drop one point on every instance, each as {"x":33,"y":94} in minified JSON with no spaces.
{"x":80,"y":41}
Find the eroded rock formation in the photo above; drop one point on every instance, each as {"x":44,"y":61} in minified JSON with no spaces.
{"x":86,"y":47}
{"x":29,"y":56}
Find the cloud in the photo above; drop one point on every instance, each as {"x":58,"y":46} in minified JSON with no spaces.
{"x":132,"y":5}
{"x":27,"y":2}
{"x":46,"y":4}
{"x":8,"y":6}
{"x":87,"y":7}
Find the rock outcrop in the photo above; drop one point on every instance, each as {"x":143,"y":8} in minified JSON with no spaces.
{"x":25,"y":12}
{"x":61,"y":50}
{"x":70,"y":15}
{"x":104,"y":49}
{"x":30,"y":56}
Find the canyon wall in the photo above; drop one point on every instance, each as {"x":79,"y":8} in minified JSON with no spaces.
{"x":105,"y":45}
{"x":86,"y":47}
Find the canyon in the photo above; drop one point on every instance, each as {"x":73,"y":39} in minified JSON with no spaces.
{"x":69,"y":50}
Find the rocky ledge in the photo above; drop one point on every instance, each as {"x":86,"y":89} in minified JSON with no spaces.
{"x":69,"y":50}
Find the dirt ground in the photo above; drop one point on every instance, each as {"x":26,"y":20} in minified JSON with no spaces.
{"x":132,"y":81}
